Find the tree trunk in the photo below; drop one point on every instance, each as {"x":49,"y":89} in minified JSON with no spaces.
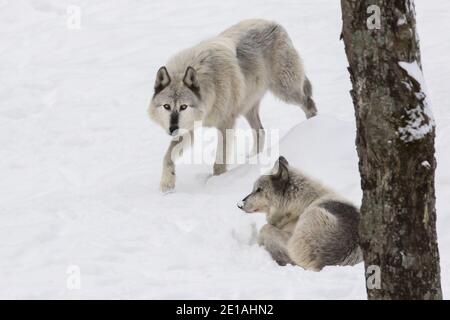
{"x":395,"y":143}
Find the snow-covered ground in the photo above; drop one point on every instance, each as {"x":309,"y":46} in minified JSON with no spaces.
{"x":80,"y":161}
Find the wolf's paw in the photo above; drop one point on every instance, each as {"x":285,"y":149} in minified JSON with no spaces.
{"x":311,"y":113}
{"x":167,"y":190}
{"x":167,"y":184}
{"x":219,"y":168}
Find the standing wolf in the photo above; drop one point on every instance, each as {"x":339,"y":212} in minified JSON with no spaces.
{"x":223,"y":78}
{"x":307,"y":224}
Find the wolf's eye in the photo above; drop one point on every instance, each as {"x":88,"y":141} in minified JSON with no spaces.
{"x":259,"y":189}
{"x":183,"y":107}
{"x":166,"y":106}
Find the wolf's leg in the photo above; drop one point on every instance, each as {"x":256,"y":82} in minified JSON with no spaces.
{"x":288,"y":80}
{"x":224,"y":145}
{"x":254,"y":121}
{"x":275,"y":241}
{"x":309,"y":245}
{"x":175,"y":150}
{"x":308,"y":105}
{"x":291,"y":91}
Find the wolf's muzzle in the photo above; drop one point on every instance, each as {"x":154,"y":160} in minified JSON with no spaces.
{"x":173,"y":127}
{"x":173,"y":130}
{"x":241,"y":203}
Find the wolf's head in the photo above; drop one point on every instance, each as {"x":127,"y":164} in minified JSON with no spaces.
{"x":176,"y":103}
{"x":268,"y":190}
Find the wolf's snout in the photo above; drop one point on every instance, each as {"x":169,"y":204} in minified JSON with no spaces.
{"x":173,"y":130}
{"x":240,"y":204}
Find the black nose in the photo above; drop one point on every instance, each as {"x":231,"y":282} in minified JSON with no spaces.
{"x":240,"y":204}
{"x":173,"y":129}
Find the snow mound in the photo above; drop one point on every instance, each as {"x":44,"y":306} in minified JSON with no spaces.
{"x":322,"y":147}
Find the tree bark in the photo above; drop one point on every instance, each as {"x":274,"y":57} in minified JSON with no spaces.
{"x":395,"y":144}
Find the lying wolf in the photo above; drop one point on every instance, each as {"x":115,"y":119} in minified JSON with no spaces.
{"x":307,"y":224}
{"x":223,"y":78}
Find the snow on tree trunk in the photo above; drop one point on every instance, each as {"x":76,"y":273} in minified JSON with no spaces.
{"x":395,"y":143}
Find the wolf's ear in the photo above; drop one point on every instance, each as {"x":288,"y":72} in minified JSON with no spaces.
{"x":190,"y":79}
{"x":162,"y":79}
{"x":281,"y":169}
{"x":283,"y":160}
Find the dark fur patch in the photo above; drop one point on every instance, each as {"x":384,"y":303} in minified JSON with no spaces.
{"x":196,"y":91}
{"x":280,"y":257}
{"x":281,"y":179}
{"x":279,"y":185}
{"x":174,"y":118}
{"x":158,"y":89}
{"x":252,"y":46}
{"x":307,"y":87}
{"x":340,"y":209}
{"x":344,"y":240}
